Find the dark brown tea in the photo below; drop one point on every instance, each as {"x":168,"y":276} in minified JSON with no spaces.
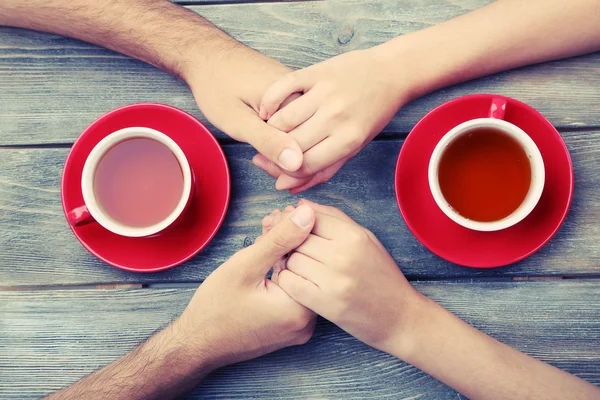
{"x":138,"y":182}
{"x":484,"y":175}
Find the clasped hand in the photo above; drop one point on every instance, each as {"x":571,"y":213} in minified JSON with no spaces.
{"x":346,"y":101}
{"x":317,"y":118}
{"x":335,"y":268}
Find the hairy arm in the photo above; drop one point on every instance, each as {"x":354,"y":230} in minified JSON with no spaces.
{"x":227,"y":78}
{"x":159,"y":368}
{"x":235,"y":315}
{"x":155,"y":31}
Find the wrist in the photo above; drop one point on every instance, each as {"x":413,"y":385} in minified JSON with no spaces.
{"x":404,"y":340}
{"x":195,"y":345}
{"x":411,"y":63}
{"x":209,"y":75}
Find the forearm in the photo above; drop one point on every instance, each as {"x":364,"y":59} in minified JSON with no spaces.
{"x":479,"y":366}
{"x":158,"y":32}
{"x":166,"y":366}
{"x":500,"y":36}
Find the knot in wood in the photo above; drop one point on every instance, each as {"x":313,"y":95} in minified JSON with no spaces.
{"x":345,"y":35}
{"x":248,"y":241}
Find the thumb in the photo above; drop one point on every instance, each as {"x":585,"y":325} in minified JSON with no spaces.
{"x":290,"y":233}
{"x":276,"y":145}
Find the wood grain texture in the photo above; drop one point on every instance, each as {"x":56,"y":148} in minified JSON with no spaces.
{"x":53,"y":87}
{"x":38,"y":247}
{"x":49,"y":339}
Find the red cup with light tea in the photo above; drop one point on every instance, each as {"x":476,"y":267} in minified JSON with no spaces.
{"x":486,"y":174}
{"x":136,"y":182}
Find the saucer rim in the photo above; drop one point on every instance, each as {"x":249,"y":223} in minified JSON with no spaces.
{"x":224,"y":210}
{"x":443,"y":254}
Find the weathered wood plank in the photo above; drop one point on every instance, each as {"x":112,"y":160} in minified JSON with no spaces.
{"x":49,"y":339}
{"x":53,"y":87}
{"x":38,"y":247}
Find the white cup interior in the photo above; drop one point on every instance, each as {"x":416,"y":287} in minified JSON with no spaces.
{"x":89,"y":169}
{"x":535,"y":160}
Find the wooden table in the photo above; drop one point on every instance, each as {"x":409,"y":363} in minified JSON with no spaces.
{"x":63,"y":313}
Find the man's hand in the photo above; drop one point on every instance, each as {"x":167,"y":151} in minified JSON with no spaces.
{"x":228,"y":91}
{"x":235,"y":315}
{"x":228,"y":79}
{"x":344,"y":274}
{"x":347,"y":100}
{"x":242,"y":314}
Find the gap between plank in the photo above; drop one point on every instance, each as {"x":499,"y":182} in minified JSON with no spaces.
{"x":226,"y":141}
{"x":184,"y":285}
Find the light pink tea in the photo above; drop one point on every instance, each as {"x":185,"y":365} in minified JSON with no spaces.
{"x":138,"y":182}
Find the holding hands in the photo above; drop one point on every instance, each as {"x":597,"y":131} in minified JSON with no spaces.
{"x":239,"y":312}
{"x":343,"y":273}
{"x":346,"y":101}
{"x":230,"y":100}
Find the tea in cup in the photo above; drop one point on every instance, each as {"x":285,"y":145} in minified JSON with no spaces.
{"x":136,"y":182}
{"x":486,"y":174}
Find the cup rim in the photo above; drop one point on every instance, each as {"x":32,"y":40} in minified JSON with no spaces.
{"x":537,"y":171}
{"x":89,"y":169}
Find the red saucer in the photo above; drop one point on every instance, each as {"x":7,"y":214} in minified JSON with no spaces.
{"x":201,"y":220}
{"x":461,"y":245}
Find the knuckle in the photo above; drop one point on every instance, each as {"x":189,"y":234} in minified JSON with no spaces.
{"x":337,"y":112}
{"x":290,"y":286}
{"x":296,"y":321}
{"x":356,"y":237}
{"x":293,"y":260}
{"x":279,"y":240}
{"x":281,"y":121}
{"x":370,"y":234}
{"x":307,"y":170}
{"x":319,"y":177}
{"x":304,"y":336}
{"x":342,"y":258}
{"x":337,"y":312}
{"x":345,"y":288}
{"x":327,"y":174}
{"x":290,"y":79}
{"x":353,"y":141}
{"x":264,"y":144}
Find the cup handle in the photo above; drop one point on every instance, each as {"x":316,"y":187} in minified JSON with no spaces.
{"x":79,"y":216}
{"x":497,"y":108}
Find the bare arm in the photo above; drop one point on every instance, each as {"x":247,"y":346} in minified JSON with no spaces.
{"x":477,"y":365}
{"x":227,"y":78}
{"x":237,"y":314}
{"x":155,"y":31}
{"x":503,"y":35}
{"x":343,"y":273}
{"x":350,"y":98}
{"x":162,"y":367}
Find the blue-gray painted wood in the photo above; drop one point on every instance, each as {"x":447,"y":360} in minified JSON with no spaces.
{"x":49,"y":339}
{"x":38,"y":247}
{"x":53,"y":87}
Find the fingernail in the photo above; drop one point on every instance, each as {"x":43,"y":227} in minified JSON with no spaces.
{"x":289,"y":159}
{"x":262,"y":113}
{"x":302,"y":216}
